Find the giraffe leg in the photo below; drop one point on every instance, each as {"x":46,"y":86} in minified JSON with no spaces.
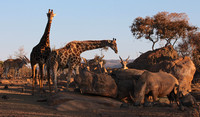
{"x":55,"y":79}
{"x":77,"y":74}
{"x":54,"y":68}
{"x":69,"y":75}
{"x":76,"y":66}
{"x":77,"y":70}
{"x":33,"y":75}
{"x":49,"y":78}
{"x":41,"y":66}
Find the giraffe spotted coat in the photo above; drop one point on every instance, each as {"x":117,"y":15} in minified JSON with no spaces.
{"x":69,"y":56}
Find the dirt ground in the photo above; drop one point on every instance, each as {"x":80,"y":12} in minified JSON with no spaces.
{"x":17,"y":101}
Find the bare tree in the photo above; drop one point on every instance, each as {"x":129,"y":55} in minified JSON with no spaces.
{"x":20,"y":53}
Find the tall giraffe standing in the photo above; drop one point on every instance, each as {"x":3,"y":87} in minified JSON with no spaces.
{"x":41,"y":52}
{"x":69,"y":56}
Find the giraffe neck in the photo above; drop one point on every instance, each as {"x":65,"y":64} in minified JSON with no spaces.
{"x":90,"y":45}
{"x":45,"y":38}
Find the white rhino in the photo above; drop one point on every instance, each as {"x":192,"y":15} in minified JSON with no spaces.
{"x":158,"y":84}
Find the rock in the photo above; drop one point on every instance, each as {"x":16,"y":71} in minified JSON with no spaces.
{"x":183,"y":69}
{"x":147,"y":59}
{"x":96,"y":83}
{"x":64,"y":101}
{"x":187,"y":100}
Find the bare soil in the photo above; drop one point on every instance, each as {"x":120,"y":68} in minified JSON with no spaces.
{"x":17,"y":101}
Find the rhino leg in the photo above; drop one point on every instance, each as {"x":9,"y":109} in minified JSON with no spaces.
{"x":154,"y":95}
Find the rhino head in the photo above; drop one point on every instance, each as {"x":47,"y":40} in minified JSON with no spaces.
{"x":139,"y":93}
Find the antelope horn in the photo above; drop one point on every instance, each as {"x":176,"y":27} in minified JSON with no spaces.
{"x":120,"y":58}
{"x":102,"y":57}
{"x":26,"y":58}
{"x":127,"y":58}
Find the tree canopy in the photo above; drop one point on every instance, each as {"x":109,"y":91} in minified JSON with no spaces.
{"x":191,"y":47}
{"x":162,"y":26}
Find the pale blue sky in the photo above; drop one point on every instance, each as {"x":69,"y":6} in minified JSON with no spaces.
{"x":22,"y":23}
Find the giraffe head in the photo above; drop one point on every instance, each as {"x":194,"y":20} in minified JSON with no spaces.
{"x":113,"y":45}
{"x":50,"y":15}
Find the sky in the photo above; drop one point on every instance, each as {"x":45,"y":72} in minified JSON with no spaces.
{"x":22,"y":23}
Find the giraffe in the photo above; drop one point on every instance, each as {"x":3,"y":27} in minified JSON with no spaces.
{"x":69,"y":56}
{"x":41,"y":52}
{"x":15,"y":63}
{"x":124,"y":63}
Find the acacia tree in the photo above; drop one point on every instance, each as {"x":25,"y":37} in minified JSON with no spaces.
{"x":162,"y":26}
